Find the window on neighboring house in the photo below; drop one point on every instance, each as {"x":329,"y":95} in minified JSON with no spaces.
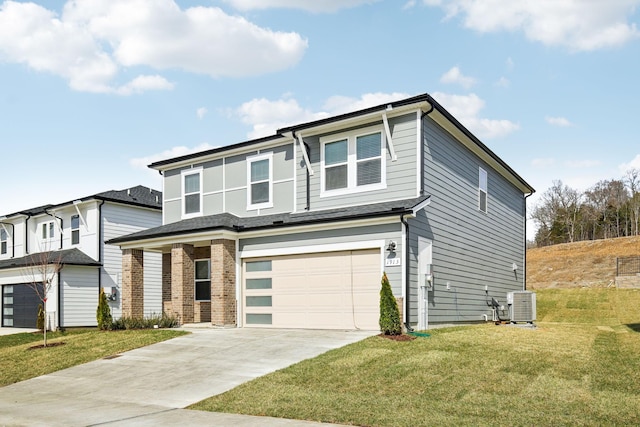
{"x":353,"y":162}
{"x":203,"y":280}
{"x":3,"y":241}
{"x":48,"y":230}
{"x":192,"y":191}
{"x":260,"y":182}
{"x":75,"y":229}
{"x":482,"y":190}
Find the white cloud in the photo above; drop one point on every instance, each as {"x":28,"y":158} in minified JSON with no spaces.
{"x":543,"y":162}
{"x":503,"y":82}
{"x":510,"y":64}
{"x":90,"y":41}
{"x":577,"y":25}
{"x":633,"y":164}
{"x":466,"y":108}
{"x":408,"y":5}
{"x":266,"y":116}
{"x":582,"y":164}
{"x":143,"y":162}
{"x":323,"y":6}
{"x":558,"y":121}
{"x":201,"y":112}
{"x":454,"y":75}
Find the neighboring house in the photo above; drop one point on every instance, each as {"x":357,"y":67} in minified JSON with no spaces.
{"x":294,"y":230}
{"x":73,"y":234}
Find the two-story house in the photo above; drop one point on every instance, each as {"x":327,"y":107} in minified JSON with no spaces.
{"x":65,"y":243}
{"x":294,"y":230}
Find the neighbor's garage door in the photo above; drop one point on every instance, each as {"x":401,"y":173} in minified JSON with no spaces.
{"x":333,"y":290}
{"x":19,"y":306}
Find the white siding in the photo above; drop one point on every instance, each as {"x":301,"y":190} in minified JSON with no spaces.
{"x":79,"y":296}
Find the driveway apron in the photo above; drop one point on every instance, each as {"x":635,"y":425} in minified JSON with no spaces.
{"x":149,"y":385}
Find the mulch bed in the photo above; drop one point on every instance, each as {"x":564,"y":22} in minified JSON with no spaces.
{"x":403,"y":337}
{"x":51,"y":344}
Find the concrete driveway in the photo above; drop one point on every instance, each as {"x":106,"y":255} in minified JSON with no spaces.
{"x":148,"y":386}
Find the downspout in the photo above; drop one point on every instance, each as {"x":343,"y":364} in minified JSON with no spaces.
{"x":308,"y":207}
{"x":407,"y":284}
{"x":100,"y":246}
{"x":13,"y":238}
{"x":422,"y":165}
{"x":524,"y":261}
{"x":59,"y":299}
{"x":26,"y":234}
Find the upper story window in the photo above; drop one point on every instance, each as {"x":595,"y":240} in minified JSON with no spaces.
{"x":482,"y":190}
{"x":192,"y":192}
{"x":203,"y":280}
{"x":47,"y":230}
{"x":259,"y":181}
{"x":353,"y":162}
{"x":75,"y":229}
{"x":3,"y":241}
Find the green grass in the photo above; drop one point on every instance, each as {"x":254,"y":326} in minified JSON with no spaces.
{"x":579,"y":367}
{"x":20,"y":362}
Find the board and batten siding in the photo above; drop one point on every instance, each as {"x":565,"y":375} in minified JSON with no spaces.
{"x":471,"y":249}
{"x":79,"y":288}
{"x":401,"y":179}
{"x":119,"y":220}
{"x":383,"y":232}
{"x":225,"y":185}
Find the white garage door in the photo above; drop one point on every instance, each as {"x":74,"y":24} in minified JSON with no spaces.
{"x":333,"y":290}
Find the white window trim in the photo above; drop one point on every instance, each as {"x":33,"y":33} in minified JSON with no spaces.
{"x":183,"y":174}
{"x":195,"y":280}
{"x":5,"y":240}
{"x":75,"y":229}
{"x":256,"y":158}
{"x":49,"y":237}
{"x":483,"y":178}
{"x":352,"y":162}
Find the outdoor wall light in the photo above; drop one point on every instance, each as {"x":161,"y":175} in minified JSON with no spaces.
{"x":391,"y":247}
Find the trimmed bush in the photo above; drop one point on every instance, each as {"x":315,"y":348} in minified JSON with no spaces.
{"x":390,"y":323}
{"x":161,"y":321}
{"x":40,"y":319}
{"x":103,"y":313}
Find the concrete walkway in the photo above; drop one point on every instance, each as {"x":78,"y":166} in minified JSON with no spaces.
{"x":150,"y":385}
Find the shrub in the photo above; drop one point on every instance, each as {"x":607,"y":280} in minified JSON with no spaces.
{"x":40,"y":319}
{"x":390,"y":323}
{"x":162,"y":321}
{"x":103,"y":313}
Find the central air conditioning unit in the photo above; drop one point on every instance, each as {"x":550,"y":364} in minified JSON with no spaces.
{"x":522,"y":306}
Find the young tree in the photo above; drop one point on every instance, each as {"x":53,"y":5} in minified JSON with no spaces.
{"x":390,"y":323}
{"x":103,"y":313}
{"x":42,"y":272}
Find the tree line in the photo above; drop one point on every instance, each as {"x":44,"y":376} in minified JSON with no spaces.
{"x":610,"y":208}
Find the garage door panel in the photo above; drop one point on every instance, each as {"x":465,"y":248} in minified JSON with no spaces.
{"x":333,"y":290}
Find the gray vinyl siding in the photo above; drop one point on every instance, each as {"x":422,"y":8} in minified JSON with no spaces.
{"x":401,"y":179}
{"x":384,"y":232}
{"x":79,"y":296}
{"x":225,"y":185}
{"x":471,"y":249}
{"x":119,"y":220}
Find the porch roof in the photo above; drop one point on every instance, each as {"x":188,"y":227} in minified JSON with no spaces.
{"x":233,"y":223}
{"x":65,"y":257}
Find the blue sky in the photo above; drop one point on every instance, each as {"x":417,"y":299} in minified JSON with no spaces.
{"x":91,"y":91}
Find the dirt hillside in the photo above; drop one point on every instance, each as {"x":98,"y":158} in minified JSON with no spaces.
{"x":589,"y":263}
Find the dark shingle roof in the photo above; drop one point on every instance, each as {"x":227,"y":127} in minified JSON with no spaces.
{"x":228,"y":221}
{"x":66,"y":257}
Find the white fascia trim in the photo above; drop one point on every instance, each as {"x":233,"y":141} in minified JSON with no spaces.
{"x":329,"y":247}
{"x":304,"y":154}
{"x":417,"y":208}
{"x":387,"y":131}
{"x":158,"y":243}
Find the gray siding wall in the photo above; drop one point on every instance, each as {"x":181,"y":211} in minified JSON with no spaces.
{"x":117,"y":221}
{"x":384,"y":232}
{"x":401,"y":175}
{"x":79,"y":296}
{"x":225,"y":185}
{"x":471,"y":249}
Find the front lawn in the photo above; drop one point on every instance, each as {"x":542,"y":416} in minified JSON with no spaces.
{"x":579,"y":368}
{"x":18,"y":361}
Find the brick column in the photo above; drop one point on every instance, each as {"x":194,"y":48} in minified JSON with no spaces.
{"x":132,"y":283}
{"x":223,"y":282}
{"x":166,"y":284}
{"x":182,"y":282}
